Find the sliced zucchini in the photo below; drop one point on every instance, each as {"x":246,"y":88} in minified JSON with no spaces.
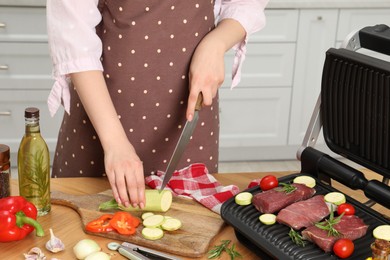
{"x":335,"y":198}
{"x":382,"y":232}
{"x":307,"y":180}
{"x":153,"y":221}
{"x":152,"y":233}
{"x":268,"y":219}
{"x":171,"y":224}
{"x":146,"y":215}
{"x":243,"y":198}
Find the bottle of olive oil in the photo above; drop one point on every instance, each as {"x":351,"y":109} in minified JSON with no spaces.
{"x":34,"y":164}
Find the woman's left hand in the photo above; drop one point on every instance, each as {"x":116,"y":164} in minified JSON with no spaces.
{"x":207,"y":72}
{"x":207,"y":69}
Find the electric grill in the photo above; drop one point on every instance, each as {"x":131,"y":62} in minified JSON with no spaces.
{"x":353,"y":110}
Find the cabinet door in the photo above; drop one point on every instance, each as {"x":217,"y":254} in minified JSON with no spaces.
{"x":266,"y":65}
{"x":23,"y":24}
{"x":317,"y":33}
{"x":12,"y":106}
{"x":25,"y":66}
{"x":355,"y":19}
{"x":281,"y":26}
{"x":251,"y":118}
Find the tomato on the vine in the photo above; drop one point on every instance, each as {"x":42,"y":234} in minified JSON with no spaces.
{"x":343,"y":248}
{"x":268,"y":182}
{"x":345,"y":208}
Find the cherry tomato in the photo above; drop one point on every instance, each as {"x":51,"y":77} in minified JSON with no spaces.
{"x":345,"y":208}
{"x":254,"y":183}
{"x":343,"y":248}
{"x":268,"y":182}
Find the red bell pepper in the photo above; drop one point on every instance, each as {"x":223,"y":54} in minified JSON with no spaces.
{"x":102,"y":224}
{"x":124,"y":223}
{"x":18,"y":219}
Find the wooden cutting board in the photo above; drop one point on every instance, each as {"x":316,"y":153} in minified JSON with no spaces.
{"x":199,"y":224}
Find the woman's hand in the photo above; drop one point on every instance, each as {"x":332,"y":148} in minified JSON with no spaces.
{"x":123,"y":167}
{"x":125,"y":173}
{"x":207,"y":69}
{"x":207,"y":72}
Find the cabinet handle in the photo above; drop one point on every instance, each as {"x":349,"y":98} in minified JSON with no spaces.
{"x":3,"y":25}
{"x":319,"y":18}
{"x":5,"y":113}
{"x":4,"y":67}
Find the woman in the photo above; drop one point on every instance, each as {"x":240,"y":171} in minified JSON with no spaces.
{"x":129,"y":72}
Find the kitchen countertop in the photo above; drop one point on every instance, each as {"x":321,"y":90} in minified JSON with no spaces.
{"x":278,"y":4}
{"x":66,"y":223}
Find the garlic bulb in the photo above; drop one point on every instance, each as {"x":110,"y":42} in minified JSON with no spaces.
{"x":54,"y":244}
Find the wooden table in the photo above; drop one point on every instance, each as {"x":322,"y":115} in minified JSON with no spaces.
{"x":67,"y":225}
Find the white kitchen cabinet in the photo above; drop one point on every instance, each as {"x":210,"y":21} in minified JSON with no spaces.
{"x":23,"y":24}
{"x":25,"y":66}
{"x":317,"y":32}
{"x":25,"y":75}
{"x":255,"y":114}
{"x":12,"y":106}
{"x":260,"y":116}
{"x":285,"y":61}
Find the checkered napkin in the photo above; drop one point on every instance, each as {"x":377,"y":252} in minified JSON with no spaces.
{"x":195,"y":182}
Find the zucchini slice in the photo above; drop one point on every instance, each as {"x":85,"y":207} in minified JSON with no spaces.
{"x":243,"y":198}
{"x":153,"y":221}
{"x":382,"y":232}
{"x":152,"y":233}
{"x":171,"y":224}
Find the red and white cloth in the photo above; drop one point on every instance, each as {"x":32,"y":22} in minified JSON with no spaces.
{"x":195,"y":182}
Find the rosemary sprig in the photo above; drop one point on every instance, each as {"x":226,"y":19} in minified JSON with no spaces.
{"x":328,"y":224}
{"x":287,"y":188}
{"x":296,"y":238}
{"x":232,"y":252}
{"x":217,"y":250}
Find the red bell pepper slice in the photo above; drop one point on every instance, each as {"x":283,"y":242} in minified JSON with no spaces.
{"x":124,"y":223}
{"x":102,"y":224}
{"x":18,"y":219}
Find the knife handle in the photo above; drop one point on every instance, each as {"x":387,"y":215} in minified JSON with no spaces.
{"x":199,"y":102}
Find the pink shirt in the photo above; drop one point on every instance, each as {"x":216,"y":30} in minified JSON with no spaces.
{"x":75,"y":46}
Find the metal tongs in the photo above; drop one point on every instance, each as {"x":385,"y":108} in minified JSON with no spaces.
{"x":135,"y":252}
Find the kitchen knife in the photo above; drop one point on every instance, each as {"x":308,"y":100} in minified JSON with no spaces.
{"x":182,"y":143}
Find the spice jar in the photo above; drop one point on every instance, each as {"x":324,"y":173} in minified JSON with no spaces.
{"x":380,"y":249}
{"x":5,"y":171}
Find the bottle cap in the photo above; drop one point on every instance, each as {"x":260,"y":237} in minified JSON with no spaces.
{"x":31,"y":112}
{"x":4,"y":154}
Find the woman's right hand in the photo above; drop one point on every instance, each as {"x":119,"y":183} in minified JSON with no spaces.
{"x":125,"y":173}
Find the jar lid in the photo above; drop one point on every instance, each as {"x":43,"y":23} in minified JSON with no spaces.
{"x":31,"y":112}
{"x":4,"y":153}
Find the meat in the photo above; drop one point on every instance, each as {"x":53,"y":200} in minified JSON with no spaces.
{"x":273,"y":200}
{"x":304,"y":213}
{"x":351,"y":227}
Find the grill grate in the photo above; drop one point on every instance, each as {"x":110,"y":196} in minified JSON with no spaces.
{"x":355,"y":100}
{"x":274,"y":241}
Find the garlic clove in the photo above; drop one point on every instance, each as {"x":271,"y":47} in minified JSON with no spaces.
{"x":54,"y":244}
{"x":35,"y":253}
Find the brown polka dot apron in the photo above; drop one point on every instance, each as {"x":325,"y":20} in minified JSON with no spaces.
{"x":147,"y":49}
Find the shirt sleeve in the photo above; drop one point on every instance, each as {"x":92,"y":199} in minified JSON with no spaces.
{"x":73,"y":44}
{"x":250,"y":14}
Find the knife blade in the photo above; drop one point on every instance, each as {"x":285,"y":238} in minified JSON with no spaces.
{"x":181,"y":145}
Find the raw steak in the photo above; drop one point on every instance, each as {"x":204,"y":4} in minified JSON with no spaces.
{"x":304,"y":213}
{"x":273,"y":200}
{"x":351,"y":227}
